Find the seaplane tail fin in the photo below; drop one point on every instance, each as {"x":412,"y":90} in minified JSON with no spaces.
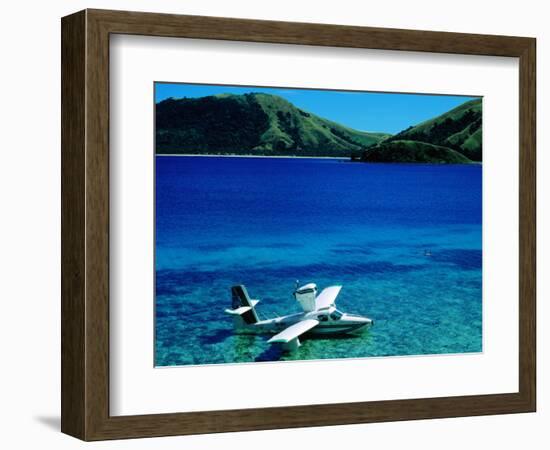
{"x":289,"y":337}
{"x":327,"y":297}
{"x":242,"y":305}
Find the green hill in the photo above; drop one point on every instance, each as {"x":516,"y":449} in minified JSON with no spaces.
{"x":458,"y":129}
{"x":255,"y":123}
{"x":413,"y":152}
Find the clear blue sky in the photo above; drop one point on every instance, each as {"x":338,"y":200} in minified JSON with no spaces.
{"x":367,"y":111}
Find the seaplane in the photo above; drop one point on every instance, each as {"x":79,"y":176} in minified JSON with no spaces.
{"x":319,"y":316}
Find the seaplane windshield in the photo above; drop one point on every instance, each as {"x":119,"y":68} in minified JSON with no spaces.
{"x":336,"y":315}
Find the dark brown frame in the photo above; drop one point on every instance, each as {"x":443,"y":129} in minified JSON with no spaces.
{"x":85,"y":224}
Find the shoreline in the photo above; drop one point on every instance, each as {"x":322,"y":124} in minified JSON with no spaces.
{"x":252,"y":156}
{"x":340,"y":158}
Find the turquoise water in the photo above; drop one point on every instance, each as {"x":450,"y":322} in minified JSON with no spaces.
{"x":267,"y":222}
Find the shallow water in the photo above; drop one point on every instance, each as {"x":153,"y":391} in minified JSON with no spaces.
{"x":267,"y":222}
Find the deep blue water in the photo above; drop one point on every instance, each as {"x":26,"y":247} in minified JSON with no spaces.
{"x":267,"y":222}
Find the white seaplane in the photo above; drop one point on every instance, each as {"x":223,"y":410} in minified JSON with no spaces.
{"x":319,"y":316}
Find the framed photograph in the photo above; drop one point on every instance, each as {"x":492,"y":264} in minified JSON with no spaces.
{"x":273,"y":225}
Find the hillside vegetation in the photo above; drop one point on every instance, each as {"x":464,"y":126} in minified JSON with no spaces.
{"x":255,"y":123}
{"x":457,"y":131}
{"x":413,"y":152}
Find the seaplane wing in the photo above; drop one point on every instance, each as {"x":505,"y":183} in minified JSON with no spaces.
{"x":327,"y":297}
{"x":238,"y":311}
{"x":294,"y":331}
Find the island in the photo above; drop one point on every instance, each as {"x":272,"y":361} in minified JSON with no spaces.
{"x":260,"y":124}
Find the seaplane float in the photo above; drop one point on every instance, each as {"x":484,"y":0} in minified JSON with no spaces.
{"x":319,"y":316}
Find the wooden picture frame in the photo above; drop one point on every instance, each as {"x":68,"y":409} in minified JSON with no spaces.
{"x":85,"y":224}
